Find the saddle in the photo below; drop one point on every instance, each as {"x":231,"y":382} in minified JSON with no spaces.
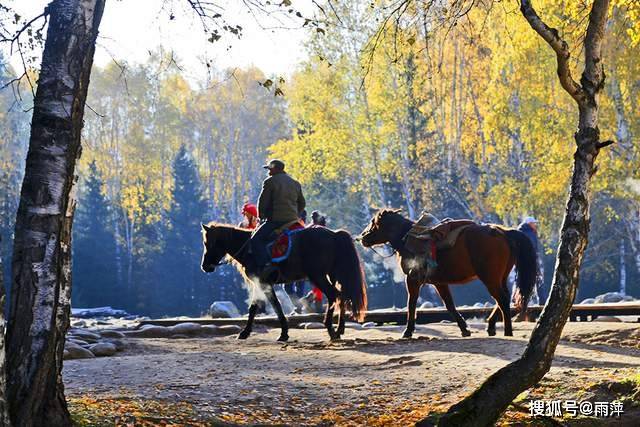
{"x":428,"y":235}
{"x":280,"y":248}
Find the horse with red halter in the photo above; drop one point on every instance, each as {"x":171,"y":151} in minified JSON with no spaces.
{"x":327,"y":258}
{"x":485,"y":252}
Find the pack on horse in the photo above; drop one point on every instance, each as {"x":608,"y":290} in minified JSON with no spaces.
{"x":328,"y":258}
{"x":485,"y":252}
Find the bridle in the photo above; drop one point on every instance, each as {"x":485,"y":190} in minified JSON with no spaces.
{"x":395,"y":249}
{"x":228,"y":258}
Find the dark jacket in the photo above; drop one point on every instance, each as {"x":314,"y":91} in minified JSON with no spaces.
{"x":281,"y":198}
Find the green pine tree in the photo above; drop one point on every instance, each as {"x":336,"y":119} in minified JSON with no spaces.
{"x":94,"y":246}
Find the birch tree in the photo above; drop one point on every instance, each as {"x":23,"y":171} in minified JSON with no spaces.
{"x":40,"y":302}
{"x":484,"y":405}
{"x":4,"y":413}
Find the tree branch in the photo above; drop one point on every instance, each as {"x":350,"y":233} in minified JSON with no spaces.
{"x":561,"y":48}
{"x":593,"y":75}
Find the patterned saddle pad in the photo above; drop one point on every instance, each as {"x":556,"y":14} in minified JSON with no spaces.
{"x":280,"y":249}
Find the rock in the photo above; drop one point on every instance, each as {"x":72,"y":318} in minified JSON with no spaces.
{"x":97,"y":312}
{"x":588,"y":301}
{"x":65,"y":354}
{"x":628,"y":298}
{"x":77,"y":341}
{"x":149,"y":331}
{"x":178,"y":336}
{"x":210,"y":330}
{"x":102,"y":349}
{"x":118,"y":343}
{"x":77,"y":352}
{"x":353,"y":325}
{"x":223,"y":309}
{"x":312,"y":325}
{"x":285,"y":300}
{"x":607,"y":319}
{"x":609,"y":297}
{"x":229,"y":329}
{"x":427,"y":304}
{"x":479,"y":305}
{"x":79,"y":324}
{"x":186,"y":328}
{"x":84,"y":335}
{"x":369,"y":325}
{"x":488,"y":304}
{"x":108,"y":333}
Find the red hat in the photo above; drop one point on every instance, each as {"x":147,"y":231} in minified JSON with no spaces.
{"x":250,"y":208}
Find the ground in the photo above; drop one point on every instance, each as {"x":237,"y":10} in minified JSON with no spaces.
{"x":369,"y":378}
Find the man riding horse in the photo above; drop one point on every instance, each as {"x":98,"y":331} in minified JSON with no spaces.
{"x":280,"y":203}
{"x":328,"y":258}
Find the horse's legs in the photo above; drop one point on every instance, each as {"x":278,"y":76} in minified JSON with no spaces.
{"x":244,"y":334}
{"x":341,"y":318}
{"x":273,"y":299}
{"x":329,"y":290}
{"x":505,"y":307}
{"x":445,"y":294}
{"x":413,"y":291}
{"x":491,"y":320}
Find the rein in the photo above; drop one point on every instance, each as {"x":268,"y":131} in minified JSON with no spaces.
{"x":228,"y":258}
{"x":396,"y":248}
{"x":395,"y":251}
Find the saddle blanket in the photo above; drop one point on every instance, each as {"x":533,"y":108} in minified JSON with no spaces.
{"x":423,"y":239}
{"x":281,"y":247}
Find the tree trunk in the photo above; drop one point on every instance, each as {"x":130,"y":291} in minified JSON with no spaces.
{"x":41,"y":254}
{"x":4,"y":410}
{"x":623,"y":269}
{"x":485,"y":405}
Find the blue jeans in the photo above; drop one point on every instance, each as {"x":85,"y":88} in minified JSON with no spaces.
{"x":259,"y":241}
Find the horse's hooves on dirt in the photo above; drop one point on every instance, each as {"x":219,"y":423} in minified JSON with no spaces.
{"x":407,"y":335}
{"x":283,"y":338}
{"x":466,"y":333}
{"x":243,"y":335}
{"x":508,"y":334}
{"x":491,"y":332}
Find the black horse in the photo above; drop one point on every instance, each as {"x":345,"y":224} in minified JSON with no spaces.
{"x":328,"y":258}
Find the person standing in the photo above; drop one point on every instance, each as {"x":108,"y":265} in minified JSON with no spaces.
{"x":281,"y":201}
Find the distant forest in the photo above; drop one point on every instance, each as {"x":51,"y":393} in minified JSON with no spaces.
{"x":463,"y":135}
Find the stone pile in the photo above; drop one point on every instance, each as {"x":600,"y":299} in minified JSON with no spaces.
{"x":84,"y":344}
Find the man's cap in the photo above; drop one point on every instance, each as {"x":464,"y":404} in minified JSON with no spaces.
{"x":274,"y":164}
{"x":530,"y":220}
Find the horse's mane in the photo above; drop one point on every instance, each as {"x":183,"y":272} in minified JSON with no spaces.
{"x":216,"y":224}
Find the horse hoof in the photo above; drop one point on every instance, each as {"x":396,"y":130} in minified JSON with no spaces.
{"x":407,"y":335}
{"x":466,"y":333}
{"x":508,"y":334}
{"x":283,"y":338}
{"x":243,"y":335}
{"x":340,"y":332}
{"x":491,"y":332}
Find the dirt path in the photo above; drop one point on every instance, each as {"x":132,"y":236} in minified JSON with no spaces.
{"x":370,"y":374}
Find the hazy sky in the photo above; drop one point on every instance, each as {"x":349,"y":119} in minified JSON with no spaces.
{"x":130,"y":28}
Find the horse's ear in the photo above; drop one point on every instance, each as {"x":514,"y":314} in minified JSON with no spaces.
{"x":374,"y":209}
{"x":205,"y":228}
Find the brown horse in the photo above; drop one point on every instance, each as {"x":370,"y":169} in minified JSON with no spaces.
{"x":485,"y":252}
{"x":328,"y":258}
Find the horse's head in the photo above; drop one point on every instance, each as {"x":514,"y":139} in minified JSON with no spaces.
{"x":385,"y":226}
{"x":213,"y":252}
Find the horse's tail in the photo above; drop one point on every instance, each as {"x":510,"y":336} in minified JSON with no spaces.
{"x":348,"y":272}
{"x":526,"y":267}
